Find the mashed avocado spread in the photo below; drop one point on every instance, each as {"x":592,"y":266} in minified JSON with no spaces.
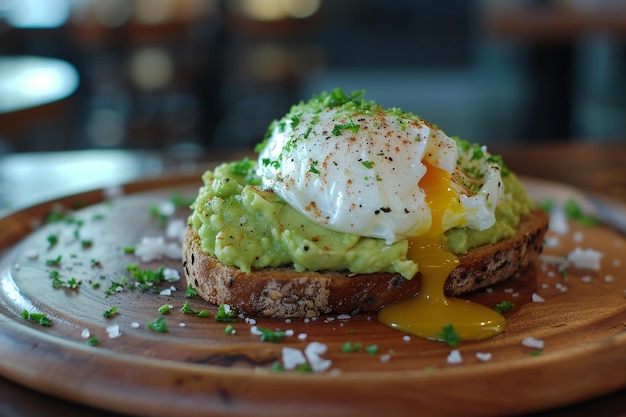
{"x":246,"y":226}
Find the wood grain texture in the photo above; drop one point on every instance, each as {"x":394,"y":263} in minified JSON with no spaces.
{"x":198,"y":369}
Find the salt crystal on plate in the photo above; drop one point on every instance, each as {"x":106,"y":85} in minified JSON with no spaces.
{"x":113,"y":331}
{"x":175,"y":229}
{"x":292,"y":358}
{"x":537,"y":298}
{"x":585,"y":258}
{"x":171,"y":274}
{"x":558,"y":222}
{"x":153,"y":248}
{"x":532,"y":342}
{"x":313,"y":352}
{"x":483,"y":356}
{"x":454,"y":357}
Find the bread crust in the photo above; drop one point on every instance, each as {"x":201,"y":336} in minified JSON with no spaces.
{"x":284,"y":292}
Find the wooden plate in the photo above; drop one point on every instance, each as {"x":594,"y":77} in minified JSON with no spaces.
{"x":195,"y":368}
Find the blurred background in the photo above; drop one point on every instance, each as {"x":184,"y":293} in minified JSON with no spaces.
{"x":191,"y":76}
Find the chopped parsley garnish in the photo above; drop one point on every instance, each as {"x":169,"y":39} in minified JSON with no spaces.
{"x":350,"y":347}
{"x":547,"y":205}
{"x":156,"y":212}
{"x":190,"y":292}
{"x":92,"y":341}
{"x":314,"y":168}
{"x":243,"y":167}
{"x":272,"y":336}
{"x":449,"y":335}
{"x":54,"y":261}
{"x":225,"y":314}
{"x":36,"y":317}
{"x":305,"y":368}
{"x":86,"y":243}
{"x":351,"y":126}
{"x":116,"y":286}
{"x":367,"y":164}
{"x":229,"y":329}
{"x":503,"y":306}
{"x":277,"y":367}
{"x":52,"y":240}
{"x":372,"y":349}
{"x":57,"y":282}
{"x":165,"y":309}
{"x":574,"y":211}
{"x":56,"y":216}
{"x":110,"y":312}
{"x":146,"y":277}
{"x":72,"y":283}
{"x":159,"y":325}
{"x":129,"y":249}
{"x":186,"y":309}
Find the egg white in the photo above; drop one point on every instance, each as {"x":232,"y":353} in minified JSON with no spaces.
{"x":359,"y":173}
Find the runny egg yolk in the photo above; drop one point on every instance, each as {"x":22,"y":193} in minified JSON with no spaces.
{"x":429,"y":311}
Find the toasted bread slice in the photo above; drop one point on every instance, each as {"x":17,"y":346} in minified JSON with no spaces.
{"x":284,"y":292}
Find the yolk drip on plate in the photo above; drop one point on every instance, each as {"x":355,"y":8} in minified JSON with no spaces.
{"x":428,"y":312}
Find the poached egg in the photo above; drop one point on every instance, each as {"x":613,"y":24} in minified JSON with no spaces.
{"x":358,"y":171}
{"x":351,"y":166}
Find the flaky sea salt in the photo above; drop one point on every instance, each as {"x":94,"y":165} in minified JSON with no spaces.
{"x":175,"y":229}
{"x":454,"y":357}
{"x":292,"y":358}
{"x":537,"y":298}
{"x":313,"y":353}
{"x":532,"y":342}
{"x":113,"y":331}
{"x":171,"y":274}
{"x":558,"y":222}
{"x":585,"y":258}
{"x":483,"y":356}
{"x":154,"y":248}
{"x":85,"y":334}
{"x":552,"y":242}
